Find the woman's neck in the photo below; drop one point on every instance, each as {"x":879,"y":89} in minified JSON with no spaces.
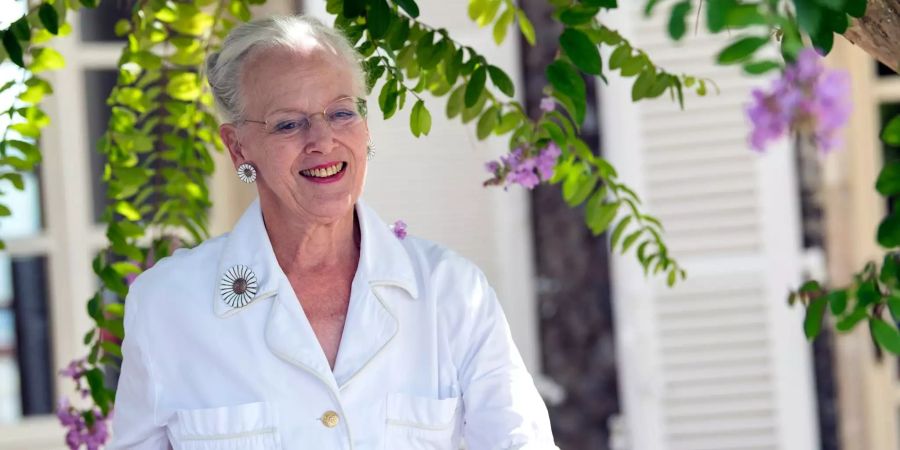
{"x":308,"y":245}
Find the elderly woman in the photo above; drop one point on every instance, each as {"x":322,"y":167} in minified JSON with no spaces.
{"x":311,"y":325}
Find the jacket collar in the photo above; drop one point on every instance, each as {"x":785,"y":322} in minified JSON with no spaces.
{"x":382,"y":261}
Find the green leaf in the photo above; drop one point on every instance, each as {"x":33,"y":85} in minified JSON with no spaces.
{"x":578,"y":15}
{"x":239,"y":9}
{"x":847,"y":323}
{"x":49,"y":17}
{"x":13,"y":48}
{"x":599,"y":213}
{"x":893,"y":302}
{"x":21,"y":29}
{"x":526,"y":27}
{"x":46,"y":58}
{"x":409,"y":6}
{"x":115,"y":309}
{"x":761,"y":67}
{"x":633,"y":65}
{"x":15,"y":179}
{"x":420,"y":119}
{"x":487,"y":122}
{"x":378,"y":19}
{"x":489,"y":12}
{"x":475,"y":86}
{"x":36,"y":89}
{"x":889,"y":231}
{"x":565,"y":78}
{"x":886,"y":335}
{"x":502,"y":25}
{"x":678,"y":19}
{"x":580,"y":188}
{"x":184,"y":86}
{"x":891,"y":132}
{"x":741,"y":49}
{"x":581,"y":50}
{"x":128,"y":211}
{"x":608,"y":4}
{"x":856,"y":8}
{"x":111,"y":348}
{"x":671,"y":278}
{"x":455,"y":102}
{"x":619,"y":56}
{"x":838,"y":301}
{"x":716,"y":13}
{"x":643,"y":83}
{"x":89,"y":336}
{"x":353,"y":8}
{"x":889,"y":269}
{"x":630,"y":240}
{"x":868,"y":293}
{"x":812,"y":325}
{"x":617,"y":232}
{"x":501,"y":80}
{"x":889,"y":179}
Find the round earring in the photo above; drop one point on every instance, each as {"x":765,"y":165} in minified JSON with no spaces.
{"x":370,"y":150}
{"x":247,"y":173}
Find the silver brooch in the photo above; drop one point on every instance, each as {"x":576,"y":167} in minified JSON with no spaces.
{"x":238,"y":286}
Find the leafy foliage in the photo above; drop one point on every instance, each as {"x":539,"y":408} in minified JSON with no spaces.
{"x":158,"y":142}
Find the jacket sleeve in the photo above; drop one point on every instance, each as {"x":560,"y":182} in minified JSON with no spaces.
{"x":503,"y":409}
{"x":134,"y":421}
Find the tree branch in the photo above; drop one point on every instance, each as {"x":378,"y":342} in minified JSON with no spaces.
{"x":878,"y":32}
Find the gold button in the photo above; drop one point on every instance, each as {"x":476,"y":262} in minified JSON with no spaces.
{"x":330,"y":419}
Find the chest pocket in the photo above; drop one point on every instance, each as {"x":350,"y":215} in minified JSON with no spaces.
{"x":419,"y":423}
{"x":250,"y":426}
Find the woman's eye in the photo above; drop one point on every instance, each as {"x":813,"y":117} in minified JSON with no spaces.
{"x":344,"y":114}
{"x":289,"y":125}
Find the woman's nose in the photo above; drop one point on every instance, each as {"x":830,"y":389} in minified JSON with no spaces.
{"x":319,"y":135}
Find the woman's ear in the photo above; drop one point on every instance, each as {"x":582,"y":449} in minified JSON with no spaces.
{"x":229,"y":134}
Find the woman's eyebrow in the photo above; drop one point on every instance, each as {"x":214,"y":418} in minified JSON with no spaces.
{"x":292,"y":109}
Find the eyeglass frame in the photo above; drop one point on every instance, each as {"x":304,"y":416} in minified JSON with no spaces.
{"x":361,"y":105}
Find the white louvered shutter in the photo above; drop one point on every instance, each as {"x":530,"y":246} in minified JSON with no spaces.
{"x":719,"y":362}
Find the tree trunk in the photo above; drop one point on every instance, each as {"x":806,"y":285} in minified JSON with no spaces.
{"x":878,"y":32}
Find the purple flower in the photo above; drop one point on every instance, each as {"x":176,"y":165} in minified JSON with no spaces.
{"x":808,"y":99}
{"x":548,"y":104}
{"x":399,"y":229}
{"x":517,"y":167}
{"x":546,"y":160}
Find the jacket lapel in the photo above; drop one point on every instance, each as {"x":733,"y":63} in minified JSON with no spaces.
{"x":371,"y":324}
{"x":290,"y":336}
{"x":247,"y":255}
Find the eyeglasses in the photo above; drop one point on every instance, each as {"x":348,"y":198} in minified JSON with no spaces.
{"x":341,"y":114}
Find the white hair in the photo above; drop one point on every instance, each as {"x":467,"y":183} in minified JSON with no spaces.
{"x":223,"y":68}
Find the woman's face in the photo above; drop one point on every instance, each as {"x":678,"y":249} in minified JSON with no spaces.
{"x":281,"y":87}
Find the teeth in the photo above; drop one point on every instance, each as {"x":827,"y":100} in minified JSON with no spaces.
{"x":322,"y":173}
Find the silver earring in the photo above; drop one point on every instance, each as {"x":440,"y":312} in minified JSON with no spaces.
{"x":247,"y":173}
{"x":370,"y":150}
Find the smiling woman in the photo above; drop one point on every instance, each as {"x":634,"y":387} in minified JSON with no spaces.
{"x":312,"y":324}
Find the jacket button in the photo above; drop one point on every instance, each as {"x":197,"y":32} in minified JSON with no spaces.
{"x":330,"y":419}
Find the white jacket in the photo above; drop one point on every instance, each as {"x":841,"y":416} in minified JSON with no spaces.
{"x":425,"y":361}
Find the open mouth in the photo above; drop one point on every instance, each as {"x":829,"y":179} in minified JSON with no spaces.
{"x":325,"y":172}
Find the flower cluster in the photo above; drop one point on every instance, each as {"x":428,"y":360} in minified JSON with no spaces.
{"x":399,"y":229}
{"x":79,"y":433}
{"x":518,"y":167}
{"x":808,"y":99}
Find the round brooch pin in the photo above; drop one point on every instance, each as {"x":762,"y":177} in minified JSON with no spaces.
{"x":238,"y":286}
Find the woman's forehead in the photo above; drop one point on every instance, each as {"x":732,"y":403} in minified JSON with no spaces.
{"x":280,"y":77}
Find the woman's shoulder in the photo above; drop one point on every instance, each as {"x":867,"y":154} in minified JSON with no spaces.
{"x":441,"y":267}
